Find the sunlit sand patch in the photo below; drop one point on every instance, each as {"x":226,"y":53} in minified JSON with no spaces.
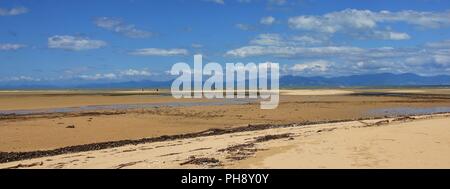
{"x":407,"y":91}
{"x":315,"y":92}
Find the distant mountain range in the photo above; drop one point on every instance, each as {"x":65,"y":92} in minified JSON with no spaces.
{"x":382,"y":79}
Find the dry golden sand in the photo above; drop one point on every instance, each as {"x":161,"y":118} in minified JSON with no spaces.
{"x":44,"y":132}
{"x":417,"y":144}
{"x":306,"y":92}
{"x":413,"y":142}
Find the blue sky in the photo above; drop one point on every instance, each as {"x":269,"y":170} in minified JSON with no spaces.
{"x":119,"y":40}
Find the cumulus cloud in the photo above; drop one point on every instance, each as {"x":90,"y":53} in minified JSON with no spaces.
{"x":13,"y":11}
{"x":423,"y":60}
{"x":108,"y":76}
{"x":74,"y":43}
{"x":352,"y":21}
{"x":428,"y":59}
{"x":313,"y":66}
{"x":11,"y":46}
{"x":221,"y":2}
{"x":308,"y":40}
{"x":118,"y":26}
{"x":439,"y":44}
{"x":278,"y":2}
{"x":196,"y":45}
{"x":19,"y":78}
{"x":118,"y":75}
{"x":269,"y":20}
{"x":290,"y":51}
{"x":389,"y":35}
{"x":442,"y":59}
{"x":439,"y":60}
{"x":366,"y":19}
{"x":159,"y":52}
{"x":379,"y":34}
{"x":268,"y":39}
{"x":133,"y":72}
{"x":244,"y":27}
{"x":423,"y":19}
{"x":79,"y":74}
{"x":274,"y":39}
{"x":335,"y":21}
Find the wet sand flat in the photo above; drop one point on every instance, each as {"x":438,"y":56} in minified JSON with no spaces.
{"x":403,"y":142}
{"x":23,"y":100}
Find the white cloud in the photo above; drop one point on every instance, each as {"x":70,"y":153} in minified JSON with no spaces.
{"x":272,"y":44}
{"x":99,"y":76}
{"x":117,"y":25}
{"x":74,"y":43}
{"x":13,"y":12}
{"x":268,"y":39}
{"x":244,"y":1}
{"x":313,"y":66}
{"x":417,"y":60}
{"x":308,"y":40}
{"x":373,"y":66}
{"x":196,"y":45}
{"x":311,"y":23}
{"x":159,"y":52}
{"x":278,"y":2}
{"x":269,"y":20}
{"x":442,"y":59}
{"x":221,"y":2}
{"x":423,"y":19}
{"x":421,"y":60}
{"x":274,"y":39}
{"x":429,"y":59}
{"x":366,"y":19}
{"x":335,"y":21}
{"x":10,"y":46}
{"x":389,"y":35}
{"x":290,"y":51}
{"x":244,"y":27}
{"x":117,"y":75}
{"x":20,"y":78}
{"x":360,"y":22}
{"x":439,"y":44}
{"x":133,"y":72}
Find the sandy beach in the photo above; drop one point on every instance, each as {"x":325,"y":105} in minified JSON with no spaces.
{"x":52,"y":129}
{"x":404,"y":142}
{"x":51,"y":121}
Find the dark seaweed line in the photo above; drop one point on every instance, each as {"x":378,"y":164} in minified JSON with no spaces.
{"x":407,"y":95}
{"x":17,"y":156}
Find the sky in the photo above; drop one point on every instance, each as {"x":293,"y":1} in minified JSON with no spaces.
{"x":82,"y":41}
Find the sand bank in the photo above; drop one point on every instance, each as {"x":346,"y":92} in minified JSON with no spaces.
{"x":315,"y":92}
